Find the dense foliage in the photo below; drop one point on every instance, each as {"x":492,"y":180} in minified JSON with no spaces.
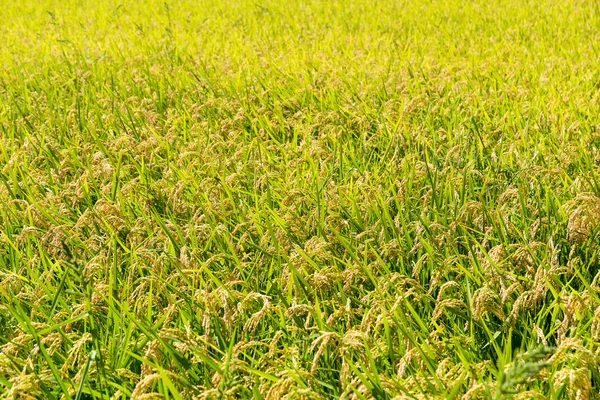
{"x":311,"y":199}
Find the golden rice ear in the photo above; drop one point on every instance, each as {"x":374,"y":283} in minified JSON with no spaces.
{"x":252,"y":322}
{"x":540,"y":335}
{"x":447,"y":287}
{"x":77,"y":352}
{"x":144,"y":384}
{"x":479,"y":391}
{"x":485,"y":300}
{"x":529,"y":395}
{"x":584,"y":218}
{"x":152,"y":353}
{"x":576,"y":382}
{"x":448,"y":306}
{"x":322,"y":342}
{"x":595,"y":329}
{"x":573,"y":305}
{"x":22,"y":385}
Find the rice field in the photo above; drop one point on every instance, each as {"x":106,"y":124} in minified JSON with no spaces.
{"x":299,"y":199}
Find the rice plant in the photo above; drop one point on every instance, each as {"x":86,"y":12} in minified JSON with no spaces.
{"x":299,"y":199}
